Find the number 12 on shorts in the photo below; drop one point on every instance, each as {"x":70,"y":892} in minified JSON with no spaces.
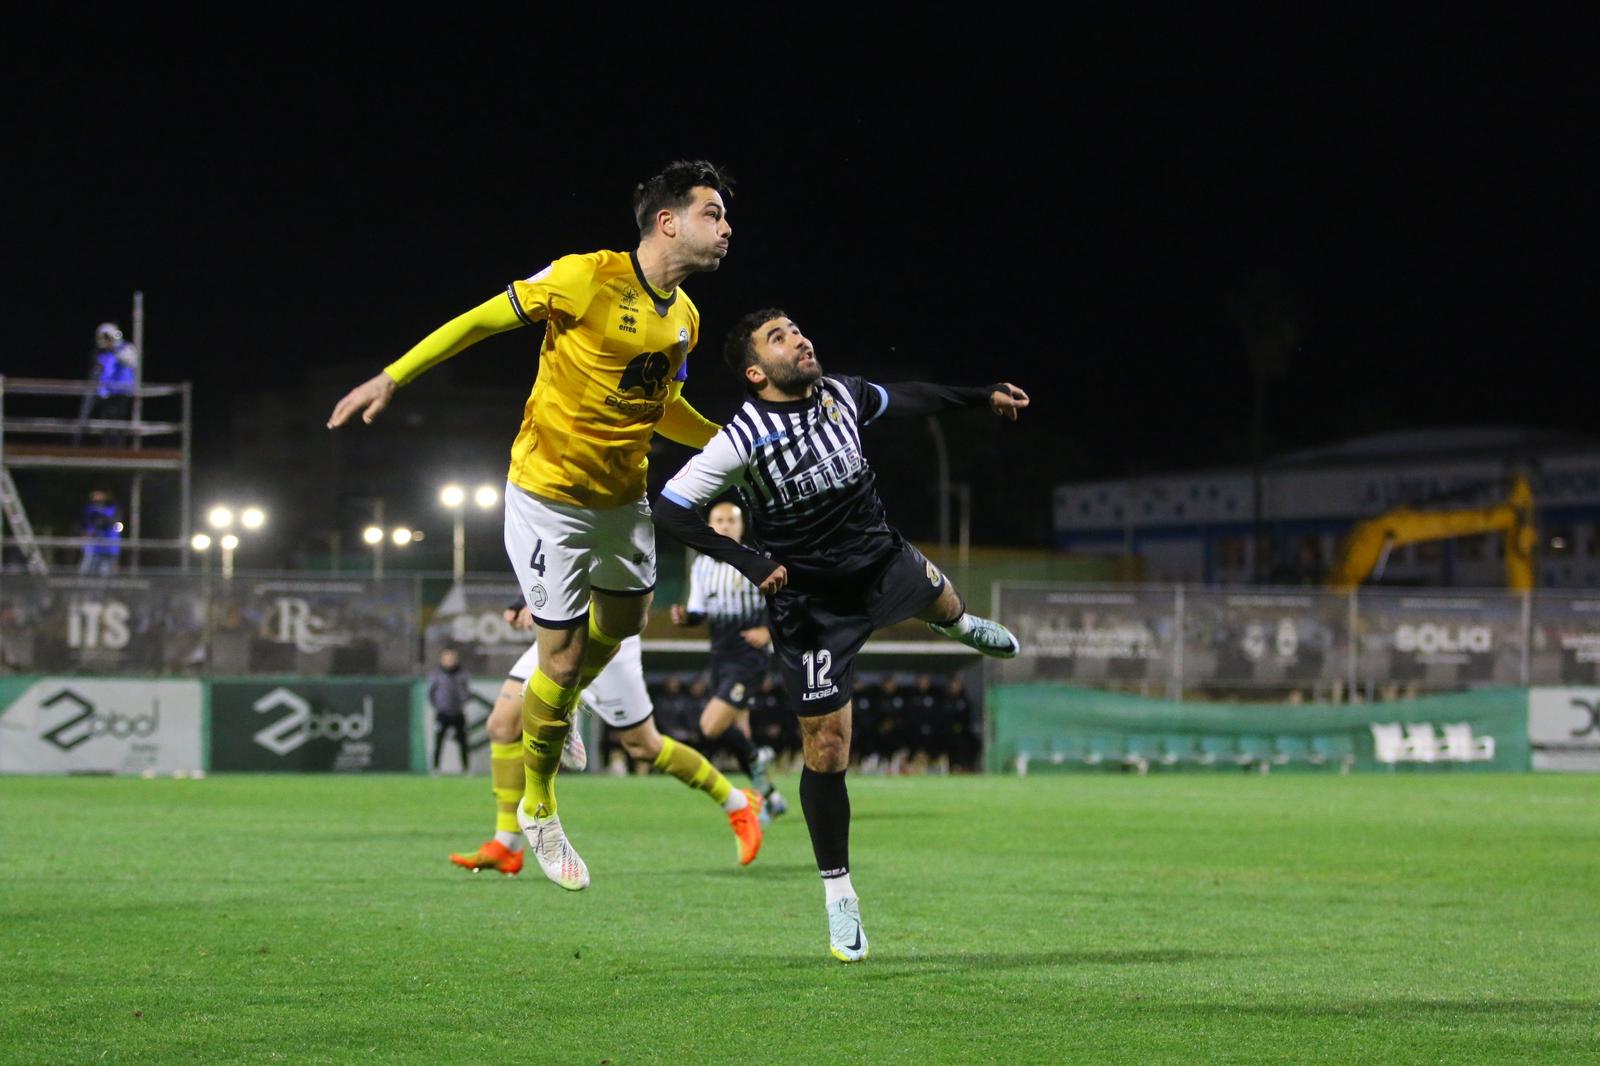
{"x":818,"y":663}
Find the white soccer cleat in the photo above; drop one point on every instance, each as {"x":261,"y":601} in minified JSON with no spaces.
{"x":765,"y":757}
{"x":991,"y":638}
{"x":775,"y":805}
{"x":548,"y":843}
{"x":574,"y":756}
{"x":846,"y":939}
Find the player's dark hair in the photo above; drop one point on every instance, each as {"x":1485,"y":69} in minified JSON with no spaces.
{"x":739,"y":349}
{"x":670,"y":189}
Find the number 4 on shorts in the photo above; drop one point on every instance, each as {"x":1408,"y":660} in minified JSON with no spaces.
{"x":537,"y":562}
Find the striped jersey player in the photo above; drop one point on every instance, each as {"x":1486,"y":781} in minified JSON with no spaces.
{"x":832,"y":565}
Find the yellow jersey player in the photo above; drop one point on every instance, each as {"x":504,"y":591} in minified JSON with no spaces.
{"x":619,"y":698}
{"x":618,"y":331}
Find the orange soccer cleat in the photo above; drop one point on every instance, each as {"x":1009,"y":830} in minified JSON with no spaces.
{"x":496,"y":856}
{"x":746,"y":824}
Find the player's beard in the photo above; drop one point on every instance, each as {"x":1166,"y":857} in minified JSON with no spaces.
{"x":792,"y":381}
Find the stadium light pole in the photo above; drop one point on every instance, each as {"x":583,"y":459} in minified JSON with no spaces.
{"x":223,"y":518}
{"x":373,"y":535}
{"x":200,"y":544}
{"x":454,"y":497}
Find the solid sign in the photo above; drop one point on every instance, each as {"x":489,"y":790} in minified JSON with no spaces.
{"x":79,"y":725}
{"x":346,"y":727}
{"x":1564,"y":728}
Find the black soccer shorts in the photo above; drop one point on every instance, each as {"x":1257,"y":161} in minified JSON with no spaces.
{"x":737,"y":679}
{"x":817,"y":635}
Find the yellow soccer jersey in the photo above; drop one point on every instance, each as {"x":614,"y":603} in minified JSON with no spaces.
{"x":612,"y":346}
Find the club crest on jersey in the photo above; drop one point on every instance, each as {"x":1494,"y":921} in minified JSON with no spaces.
{"x":630,"y":298}
{"x":831,"y":408}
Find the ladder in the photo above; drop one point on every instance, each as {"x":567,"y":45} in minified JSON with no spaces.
{"x":21,"y":530}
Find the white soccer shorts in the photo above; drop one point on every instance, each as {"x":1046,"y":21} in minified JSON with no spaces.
{"x":560,"y":553}
{"x":618,"y":695}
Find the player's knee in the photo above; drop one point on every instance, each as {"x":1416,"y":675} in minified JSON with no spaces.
{"x":827,"y":750}
{"x":710,"y":724}
{"x":641,"y":743}
{"x":562,"y":666}
{"x":505,"y":721}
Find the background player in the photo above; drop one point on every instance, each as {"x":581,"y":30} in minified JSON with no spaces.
{"x":620,"y":699}
{"x":837,"y":570}
{"x":619,"y":330}
{"x":740,"y":644}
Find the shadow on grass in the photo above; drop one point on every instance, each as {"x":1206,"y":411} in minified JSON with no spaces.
{"x":758,"y":870}
{"x":1409,"y":1008}
{"x":887,"y":966}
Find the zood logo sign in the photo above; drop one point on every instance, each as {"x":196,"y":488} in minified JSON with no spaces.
{"x":304,"y":724}
{"x":1592,"y":709}
{"x":88,"y":722}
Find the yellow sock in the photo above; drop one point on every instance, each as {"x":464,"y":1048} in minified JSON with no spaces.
{"x":599,"y":649}
{"x":690,"y":767}
{"x":546,"y":718}
{"x":505,"y":774}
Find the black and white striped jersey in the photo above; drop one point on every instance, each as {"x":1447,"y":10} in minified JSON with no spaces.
{"x":729,"y":603}
{"x":804,"y":481}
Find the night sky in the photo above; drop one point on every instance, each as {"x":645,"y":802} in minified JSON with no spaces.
{"x":1085,"y":208}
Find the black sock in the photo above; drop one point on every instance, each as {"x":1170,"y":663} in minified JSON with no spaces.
{"x":826,"y":803}
{"x":734,"y":740}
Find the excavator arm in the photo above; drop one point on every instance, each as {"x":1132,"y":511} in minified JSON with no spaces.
{"x":1370,"y":542}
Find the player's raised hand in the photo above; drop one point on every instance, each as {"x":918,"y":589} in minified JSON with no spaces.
{"x":679,"y":616}
{"x":1006,"y":400}
{"x":370,"y":397}
{"x":775,"y":581}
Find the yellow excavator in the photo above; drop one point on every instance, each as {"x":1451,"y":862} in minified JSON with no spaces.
{"x":1366,"y":548}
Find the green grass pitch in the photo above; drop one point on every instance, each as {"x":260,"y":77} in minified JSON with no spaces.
{"x":1186,"y":918}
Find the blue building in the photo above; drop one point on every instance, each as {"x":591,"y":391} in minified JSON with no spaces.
{"x":1197,"y":527}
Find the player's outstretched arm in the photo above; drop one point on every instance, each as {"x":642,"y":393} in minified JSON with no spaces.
{"x":682,"y":424}
{"x":685,"y":524}
{"x":494,"y":315}
{"x":1007,"y":400}
{"x":905,"y":399}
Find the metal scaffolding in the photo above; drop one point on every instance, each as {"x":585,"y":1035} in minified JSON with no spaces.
{"x":37,"y":432}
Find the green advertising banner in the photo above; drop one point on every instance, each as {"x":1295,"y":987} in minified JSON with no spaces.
{"x":293,"y":725}
{"x":1037,"y":726}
